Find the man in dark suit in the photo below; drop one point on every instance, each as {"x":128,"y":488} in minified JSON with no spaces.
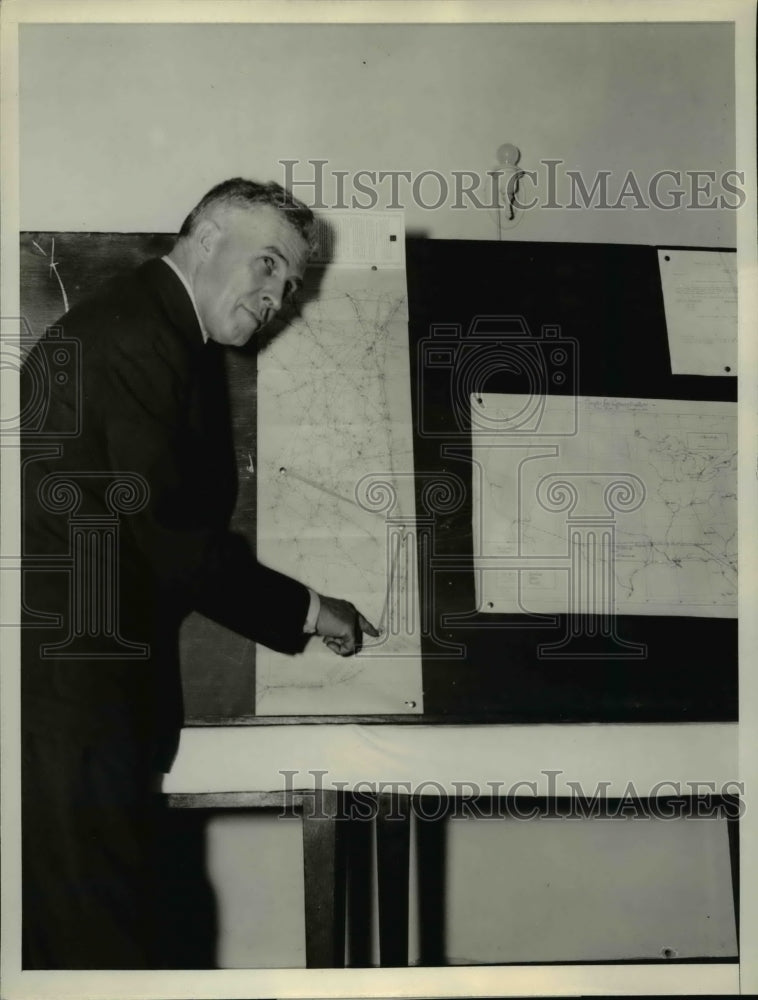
{"x":132,"y":474}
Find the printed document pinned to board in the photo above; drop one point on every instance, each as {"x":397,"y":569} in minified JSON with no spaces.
{"x":700,"y":300}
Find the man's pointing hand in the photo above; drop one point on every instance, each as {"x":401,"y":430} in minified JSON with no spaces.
{"x":342,"y":626}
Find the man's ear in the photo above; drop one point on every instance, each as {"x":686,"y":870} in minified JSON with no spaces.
{"x":206,"y":236}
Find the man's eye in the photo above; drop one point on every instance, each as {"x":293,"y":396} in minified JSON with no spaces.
{"x":269,"y":264}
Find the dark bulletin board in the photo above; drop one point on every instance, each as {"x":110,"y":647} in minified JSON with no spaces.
{"x":608,"y":298}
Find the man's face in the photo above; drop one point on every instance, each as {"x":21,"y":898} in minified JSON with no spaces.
{"x":250,"y":261}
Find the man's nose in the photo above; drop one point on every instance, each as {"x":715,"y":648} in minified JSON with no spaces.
{"x":273,"y":294}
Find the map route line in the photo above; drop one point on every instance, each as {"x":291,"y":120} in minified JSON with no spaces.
{"x":395,"y":552}
{"x":394,"y":560}
{"x":54,"y":270}
{"x":325,"y":489}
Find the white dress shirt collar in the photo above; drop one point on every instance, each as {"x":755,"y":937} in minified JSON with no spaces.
{"x":180,"y":275}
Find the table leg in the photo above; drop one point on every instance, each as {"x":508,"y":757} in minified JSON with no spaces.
{"x":431,"y":851}
{"x":393,"y":824}
{"x":324,"y":878}
{"x":360,"y":911}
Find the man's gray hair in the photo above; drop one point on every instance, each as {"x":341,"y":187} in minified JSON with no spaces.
{"x":242,"y":193}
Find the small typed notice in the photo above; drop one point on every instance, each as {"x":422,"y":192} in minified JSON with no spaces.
{"x":700,"y":301}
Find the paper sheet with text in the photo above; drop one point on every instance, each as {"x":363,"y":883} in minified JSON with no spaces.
{"x":700,"y":301}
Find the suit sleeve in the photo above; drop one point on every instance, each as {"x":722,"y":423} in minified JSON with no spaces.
{"x":197,"y":562}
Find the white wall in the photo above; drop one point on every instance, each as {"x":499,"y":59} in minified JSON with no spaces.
{"x":255,"y":865}
{"x":568,"y":890}
{"x":124,"y":128}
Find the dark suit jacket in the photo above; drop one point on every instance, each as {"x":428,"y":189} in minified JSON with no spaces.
{"x":151,"y":398}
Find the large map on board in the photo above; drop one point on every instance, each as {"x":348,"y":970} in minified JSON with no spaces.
{"x":657,"y":476}
{"x":335,"y":490}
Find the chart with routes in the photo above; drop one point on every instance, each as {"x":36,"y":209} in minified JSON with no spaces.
{"x":335,"y":489}
{"x":673,"y":467}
